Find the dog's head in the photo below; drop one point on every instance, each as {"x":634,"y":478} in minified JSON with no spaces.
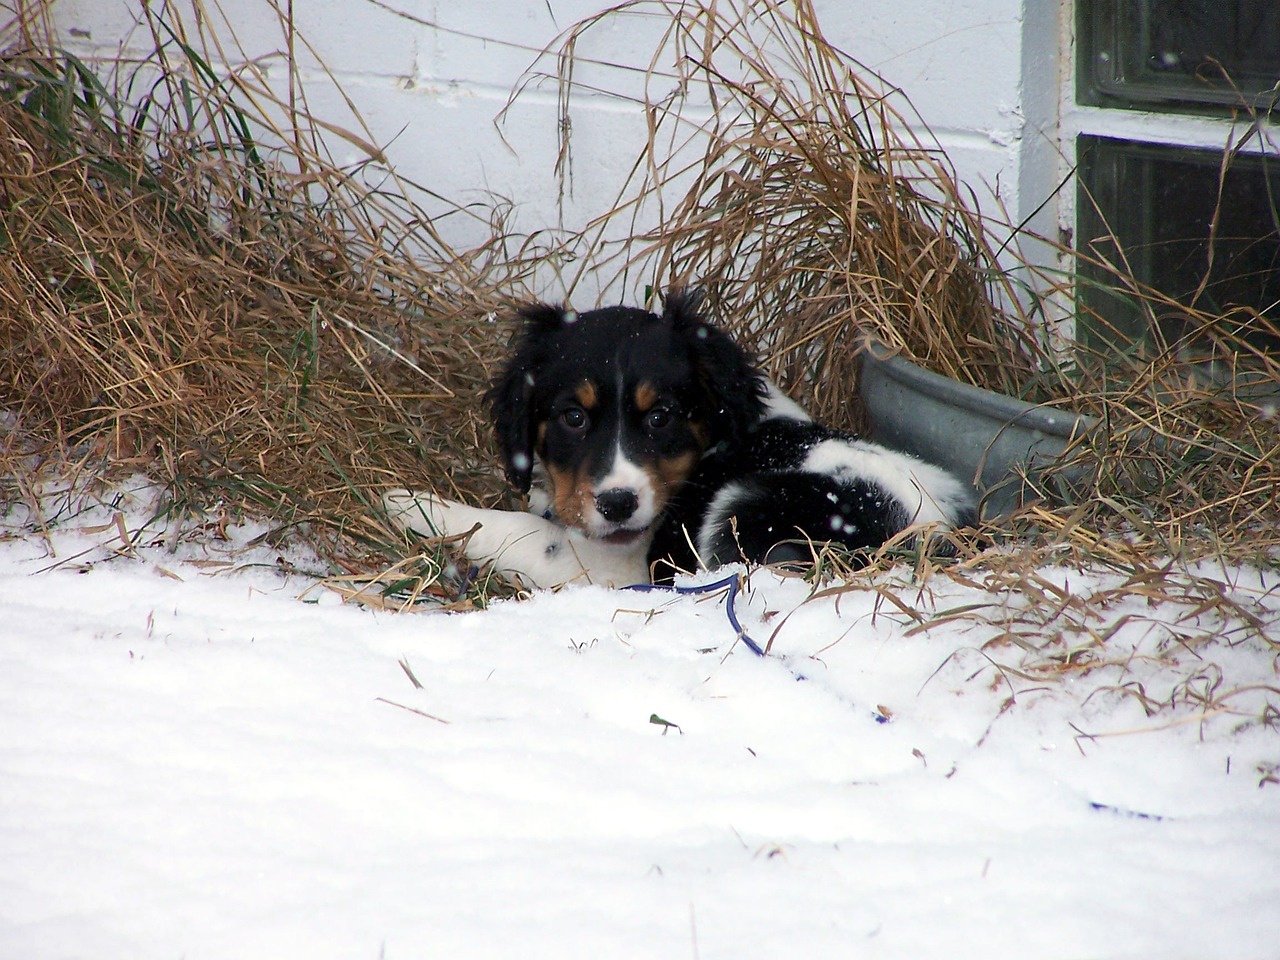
{"x":618,"y":405}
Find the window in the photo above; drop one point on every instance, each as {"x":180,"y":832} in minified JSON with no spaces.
{"x":1157,"y":54}
{"x":1155,"y":206}
{"x":1203,"y":233}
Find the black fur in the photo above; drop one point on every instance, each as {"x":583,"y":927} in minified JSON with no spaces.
{"x":778,"y":507}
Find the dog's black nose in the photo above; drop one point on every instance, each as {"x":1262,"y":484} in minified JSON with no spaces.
{"x":617,"y":505}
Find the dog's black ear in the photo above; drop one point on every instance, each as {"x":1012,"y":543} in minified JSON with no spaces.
{"x":733,"y":386}
{"x":510,"y":398}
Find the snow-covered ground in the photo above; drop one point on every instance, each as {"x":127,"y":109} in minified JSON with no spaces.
{"x":195,"y":763}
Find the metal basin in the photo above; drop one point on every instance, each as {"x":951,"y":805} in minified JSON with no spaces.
{"x":992,"y":440}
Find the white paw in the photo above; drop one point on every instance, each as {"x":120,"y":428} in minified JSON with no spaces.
{"x":521,"y":546}
{"x":416,"y":512}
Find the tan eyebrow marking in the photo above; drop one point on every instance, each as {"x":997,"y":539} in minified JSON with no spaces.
{"x":586,"y":394}
{"x":646,"y":397}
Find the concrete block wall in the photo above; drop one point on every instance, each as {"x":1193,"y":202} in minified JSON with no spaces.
{"x":431,"y":78}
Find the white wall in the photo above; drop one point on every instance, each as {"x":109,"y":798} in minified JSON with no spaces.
{"x":985,"y":78}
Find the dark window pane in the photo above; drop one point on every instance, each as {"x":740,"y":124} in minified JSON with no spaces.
{"x":1153,"y":209}
{"x":1179,"y":52}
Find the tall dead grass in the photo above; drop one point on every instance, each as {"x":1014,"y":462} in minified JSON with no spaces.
{"x":192,"y":286}
{"x":802,"y":192}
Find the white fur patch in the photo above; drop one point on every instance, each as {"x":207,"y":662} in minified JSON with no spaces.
{"x":929,"y":494}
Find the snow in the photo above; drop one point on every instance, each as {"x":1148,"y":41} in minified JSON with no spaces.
{"x":205,"y":754}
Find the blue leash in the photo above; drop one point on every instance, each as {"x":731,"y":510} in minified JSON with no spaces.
{"x":732,"y":583}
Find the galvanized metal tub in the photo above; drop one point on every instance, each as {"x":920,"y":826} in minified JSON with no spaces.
{"x":994,"y":441}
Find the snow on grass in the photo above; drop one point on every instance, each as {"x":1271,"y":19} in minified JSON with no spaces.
{"x":195,"y":763}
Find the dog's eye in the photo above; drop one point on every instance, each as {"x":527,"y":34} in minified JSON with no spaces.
{"x":658,"y":418}
{"x":575,"y":418}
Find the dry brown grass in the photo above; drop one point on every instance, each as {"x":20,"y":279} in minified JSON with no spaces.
{"x":802,"y":193}
{"x":201,"y":292}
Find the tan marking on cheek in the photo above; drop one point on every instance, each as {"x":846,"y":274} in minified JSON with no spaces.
{"x":667,"y":475}
{"x":646,"y":397}
{"x":587,"y":395}
{"x":572,"y":496}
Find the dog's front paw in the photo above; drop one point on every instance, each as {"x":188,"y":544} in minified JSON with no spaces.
{"x":528,"y":549}
{"x":420,"y":513}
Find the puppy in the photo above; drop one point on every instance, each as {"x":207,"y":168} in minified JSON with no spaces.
{"x":650,"y":444}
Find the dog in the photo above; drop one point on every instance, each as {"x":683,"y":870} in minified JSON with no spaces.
{"x":650,"y":444}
